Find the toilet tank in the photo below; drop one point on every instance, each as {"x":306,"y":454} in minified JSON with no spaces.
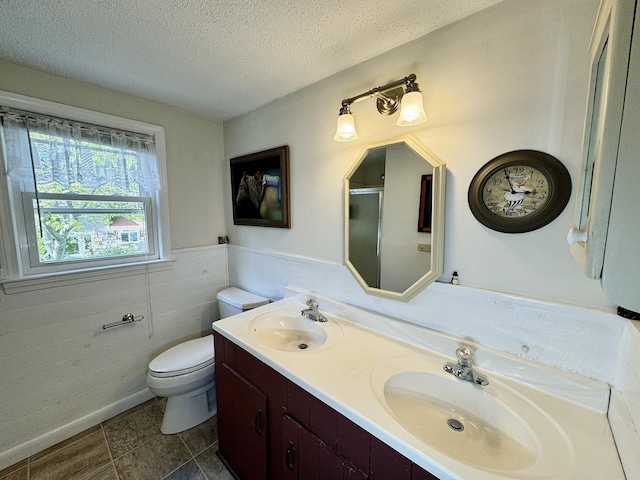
{"x":234,"y":300}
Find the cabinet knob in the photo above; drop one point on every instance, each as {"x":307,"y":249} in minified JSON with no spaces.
{"x":575,"y":236}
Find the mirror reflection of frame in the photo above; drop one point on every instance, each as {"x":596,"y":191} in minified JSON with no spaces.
{"x":426,"y":204}
{"x":392,"y":187}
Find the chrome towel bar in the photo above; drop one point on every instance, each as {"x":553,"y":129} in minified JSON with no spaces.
{"x":126,"y":320}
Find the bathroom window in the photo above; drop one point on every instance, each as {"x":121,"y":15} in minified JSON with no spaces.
{"x":85,"y":191}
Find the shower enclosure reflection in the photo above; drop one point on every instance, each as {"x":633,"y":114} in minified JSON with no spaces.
{"x":387,"y":248}
{"x":365,"y":232}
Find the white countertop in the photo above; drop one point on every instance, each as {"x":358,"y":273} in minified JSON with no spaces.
{"x":340,"y":375}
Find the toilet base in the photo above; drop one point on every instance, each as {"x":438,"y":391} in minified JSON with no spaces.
{"x":188,"y":410}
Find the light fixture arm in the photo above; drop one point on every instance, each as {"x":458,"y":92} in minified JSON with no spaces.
{"x":408,"y":81}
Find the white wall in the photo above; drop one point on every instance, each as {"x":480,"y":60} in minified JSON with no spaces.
{"x":59,"y":372}
{"x":511,"y":77}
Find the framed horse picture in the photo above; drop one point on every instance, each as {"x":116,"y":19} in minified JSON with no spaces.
{"x":260,"y":188}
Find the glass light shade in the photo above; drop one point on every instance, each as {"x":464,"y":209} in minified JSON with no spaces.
{"x":411,"y":110}
{"x":346,"y":130}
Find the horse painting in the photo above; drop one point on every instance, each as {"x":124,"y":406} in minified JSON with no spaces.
{"x":263,"y":191}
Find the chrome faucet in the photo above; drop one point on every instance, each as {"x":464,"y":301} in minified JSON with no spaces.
{"x":464,"y":368}
{"x":312,"y":312}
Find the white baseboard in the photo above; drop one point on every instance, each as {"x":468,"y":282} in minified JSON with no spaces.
{"x":63,"y":432}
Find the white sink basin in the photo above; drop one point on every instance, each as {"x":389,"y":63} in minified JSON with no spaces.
{"x":291,"y":332}
{"x":493,"y":428}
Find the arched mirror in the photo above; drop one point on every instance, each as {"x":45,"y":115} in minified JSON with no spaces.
{"x":394,"y":218}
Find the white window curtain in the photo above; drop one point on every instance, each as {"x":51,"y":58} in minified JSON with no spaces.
{"x":64,"y":151}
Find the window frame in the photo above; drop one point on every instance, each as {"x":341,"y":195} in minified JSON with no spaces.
{"x":16,"y":274}
{"x":32,"y":264}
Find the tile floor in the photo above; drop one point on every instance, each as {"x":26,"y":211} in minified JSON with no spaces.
{"x":128,"y":446}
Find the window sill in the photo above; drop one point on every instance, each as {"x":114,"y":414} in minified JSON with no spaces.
{"x":62,"y":279}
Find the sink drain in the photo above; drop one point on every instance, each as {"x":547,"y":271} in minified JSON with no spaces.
{"x":302,"y":346}
{"x":455,"y":425}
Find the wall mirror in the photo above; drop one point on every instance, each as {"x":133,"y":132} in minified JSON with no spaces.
{"x":394,"y":218}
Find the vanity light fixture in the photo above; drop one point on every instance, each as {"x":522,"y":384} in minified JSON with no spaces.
{"x":346,"y":130}
{"x":388,"y":98}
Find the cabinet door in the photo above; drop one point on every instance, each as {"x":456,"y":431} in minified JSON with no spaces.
{"x":318,"y":461}
{"x":345,"y":437}
{"x":386,"y":463}
{"x":265,"y":379}
{"x":620,"y":275}
{"x":323,"y":421}
{"x":610,"y":47}
{"x":277,"y":391}
{"x":225,"y":415}
{"x":307,"y":457}
{"x":242,"y":423}
{"x":353,"y":442}
{"x":302,"y":457}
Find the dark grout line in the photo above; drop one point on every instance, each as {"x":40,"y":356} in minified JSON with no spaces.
{"x":106,"y":440}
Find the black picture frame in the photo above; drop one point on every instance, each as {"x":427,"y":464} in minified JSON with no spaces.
{"x":260,"y":188}
{"x":559,"y":191}
{"x":426,"y":203}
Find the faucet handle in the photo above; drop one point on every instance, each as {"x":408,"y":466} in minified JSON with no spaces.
{"x":464,"y":354}
{"x":311,"y":303}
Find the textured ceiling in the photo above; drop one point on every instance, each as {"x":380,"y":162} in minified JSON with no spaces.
{"x":213,"y":57}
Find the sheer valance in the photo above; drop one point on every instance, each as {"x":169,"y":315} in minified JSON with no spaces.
{"x":43,"y":150}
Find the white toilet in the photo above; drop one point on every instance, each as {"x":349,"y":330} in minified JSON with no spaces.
{"x":185,"y":373}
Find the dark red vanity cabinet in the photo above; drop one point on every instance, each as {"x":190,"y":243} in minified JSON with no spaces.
{"x":307,"y":456}
{"x":336,"y":431}
{"x":419,"y":473}
{"x":387,"y":464}
{"x":243,"y":425}
{"x":270,"y":428}
{"x":270,"y":384}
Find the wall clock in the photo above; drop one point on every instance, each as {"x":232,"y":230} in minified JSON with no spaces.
{"x":519,"y":191}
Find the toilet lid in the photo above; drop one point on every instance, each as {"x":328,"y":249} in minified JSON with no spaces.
{"x":184,"y":356}
{"x":241,"y":299}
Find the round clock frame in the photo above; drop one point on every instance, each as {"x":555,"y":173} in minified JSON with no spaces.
{"x":519,"y":191}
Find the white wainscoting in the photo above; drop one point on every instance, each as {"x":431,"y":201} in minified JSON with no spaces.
{"x":581,"y":340}
{"x":61,"y":373}
{"x":624,"y":413}
{"x":630,"y":370}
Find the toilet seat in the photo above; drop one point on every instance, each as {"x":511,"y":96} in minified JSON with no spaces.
{"x":184,"y":358}
{"x":184,"y":371}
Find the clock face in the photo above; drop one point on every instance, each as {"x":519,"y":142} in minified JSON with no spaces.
{"x":516,"y":191}
{"x":519,"y":191}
